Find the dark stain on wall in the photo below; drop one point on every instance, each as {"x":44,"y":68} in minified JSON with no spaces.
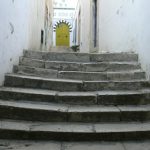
{"x":12,"y":30}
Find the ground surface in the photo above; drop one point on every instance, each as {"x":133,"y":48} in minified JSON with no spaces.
{"x":49,"y":145}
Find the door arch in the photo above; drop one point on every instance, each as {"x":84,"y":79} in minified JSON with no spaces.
{"x":62,"y":34}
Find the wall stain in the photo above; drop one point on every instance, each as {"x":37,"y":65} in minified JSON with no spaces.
{"x":12,"y":30}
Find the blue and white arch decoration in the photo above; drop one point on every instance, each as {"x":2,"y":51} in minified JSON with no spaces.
{"x":60,"y":22}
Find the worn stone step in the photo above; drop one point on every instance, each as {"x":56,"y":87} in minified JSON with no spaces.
{"x":81,"y":57}
{"x":57,"y":113}
{"x":94,"y":76}
{"x":140,"y":97}
{"x":80,"y":75}
{"x":11,"y":129}
{"x":15,"y":80}
{"x":50,"y":112}
{"x":80,"y":66}
{"x":81,"y":98}
{"x":39,"y":72}
{"x":115,"y":85}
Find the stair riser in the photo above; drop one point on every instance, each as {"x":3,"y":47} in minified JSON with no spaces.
{"x":9,"y":112}
{"x":80,"y":57}
{"x":31,"y":62}
{"x":110,"y":67}
{"x":7,"y":95}
{"x":61,"y":66}
{"x":78,"y":75}
{"x":97,"y":86}
{"x":114,"y":57}
{"x":81,"y":100}
{"x":62,"y":136}
{"x":12,"y":81}
{"x":102,"y":76}
{"x":72,"y":57}
{"x":42,"y":84}
{"x":35,"y":71}
{"x":70,"y":86}
{"x":134,"y":99}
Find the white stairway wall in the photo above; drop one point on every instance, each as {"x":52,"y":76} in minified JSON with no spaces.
{"x":124,"y":27}
{"x":20,"y":27}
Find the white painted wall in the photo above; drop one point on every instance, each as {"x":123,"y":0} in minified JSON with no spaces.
{"x":117,"y":25}
{"x":20,"y":27}
{"x":124,"y":27}
{"x":85,"y":25}
{"x":142,"y":24}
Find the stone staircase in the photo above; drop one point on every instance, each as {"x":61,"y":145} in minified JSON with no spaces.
{"x":75,"y":97}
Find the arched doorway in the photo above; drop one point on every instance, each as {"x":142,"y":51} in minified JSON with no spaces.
{"x":62,"y":34}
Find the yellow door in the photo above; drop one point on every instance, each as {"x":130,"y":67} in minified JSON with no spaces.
{"x":62,"y":35}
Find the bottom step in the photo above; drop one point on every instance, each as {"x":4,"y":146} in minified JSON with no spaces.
{"x":74,"y":131}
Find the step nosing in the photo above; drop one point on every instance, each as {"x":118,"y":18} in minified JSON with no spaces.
{"x":74,"y":127}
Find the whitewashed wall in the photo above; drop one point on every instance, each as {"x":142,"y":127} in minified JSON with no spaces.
{"x":117,"y":25}
{"x":124,"y":27}
{"x":142,"y":20}
{"x":85,"y":9}
{"x":20,"y":28}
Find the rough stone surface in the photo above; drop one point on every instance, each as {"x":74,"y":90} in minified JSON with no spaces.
{"x":75,"y":97}
{"x":93,"y":146}
{"x":36,"y":71}
{"x":74,"y":131}
{"x":95,"y":76}
{"x":85,"y":57}
{"x":80,"y":66}
{"x":42,"y":83}
{"x":51,"y":145}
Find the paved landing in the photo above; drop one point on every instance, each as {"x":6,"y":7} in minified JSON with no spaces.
{"x":49,"y":145}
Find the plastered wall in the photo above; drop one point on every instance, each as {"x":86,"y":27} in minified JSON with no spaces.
{"x":20,"y":28}
{"x":124,"y":27}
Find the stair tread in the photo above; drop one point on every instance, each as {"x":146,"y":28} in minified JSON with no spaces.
{"x":84,"y":63}
{"x":80,"y":53}
{"x":72,"y":80}
{"x":73,"y":109}
{"x":43,"y":78}
{"x":50,"y":92}
{"x":74,"y":127}
{"x":86,"y":72}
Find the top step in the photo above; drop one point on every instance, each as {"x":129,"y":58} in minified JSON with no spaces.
{"x":81,"y":57}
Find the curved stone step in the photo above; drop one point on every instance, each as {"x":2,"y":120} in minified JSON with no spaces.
{"x":39,"y":72}
{"x":81,"y":98}
{"x":81,"y":57}
{"x":15,"y":80}
{"x":10,"y":129}
{"x":95,"y":76}
{"x":79,"y":75}
{"x":66,"y":113}
{"x":140,"y":97}
{"x":80,"y":66}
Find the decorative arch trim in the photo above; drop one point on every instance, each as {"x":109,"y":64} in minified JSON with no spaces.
{"x":60,"y":22}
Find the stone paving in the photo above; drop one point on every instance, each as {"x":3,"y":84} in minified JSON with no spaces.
{"x":50,"y":145}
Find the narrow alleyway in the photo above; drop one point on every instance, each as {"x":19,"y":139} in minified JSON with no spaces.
{"x":76,"y":76}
